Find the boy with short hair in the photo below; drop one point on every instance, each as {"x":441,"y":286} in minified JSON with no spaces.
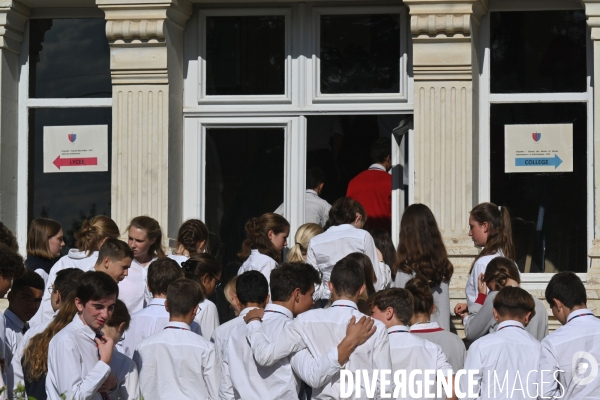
{"x":508,"y":358}
{"x":152,"y":319}
{"x":79,"y":355}
{"x":568,"y":352}
{"x":176,"y":363}
{"x":114,"y":258}
{"x":320,"y":330}
{"x":394,"y":308}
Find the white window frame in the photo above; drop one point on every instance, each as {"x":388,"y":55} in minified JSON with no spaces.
{"x":532,"y":281}
{"x":25,"y":103}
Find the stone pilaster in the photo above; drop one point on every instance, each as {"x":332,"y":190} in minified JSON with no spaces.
{"x":13,"y":17}
{"x":146,"y":42}
{"x":446,"y":110}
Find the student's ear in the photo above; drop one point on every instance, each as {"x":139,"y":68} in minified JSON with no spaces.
{"x":296,"y":295}
{"x":79,"y":304}
{"x":270,"y":234}
{"x":526,"y":318}
{"x":320,"y":187}
{"x":362,"y":289}
{"x":495,"y":315}
{"x":358,"y":218}
{"x":389,"y":313}
{"x":9,"y":296}
{"x":58,"y":297}
{"x":433,"y":308}
{"x":195,"y":311}
{"x":105,"y":262}
{"x":121,"y":326}
{"x":331,"y":288}
{"x":204,"y":279}
{"x":200,"y":245}
{"x":559,"y":304}
{"x":268,"y":299}
{"x":485,"y":227}
{"x":166,"y":306}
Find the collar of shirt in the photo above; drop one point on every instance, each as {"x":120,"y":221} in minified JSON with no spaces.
{"x":398,"y":328}
{"x":144,"y":266}
{"x":342,"y":227}
{"x":157,"y":302}
{"x":246,"y":310}
{"x":510,"y":323}
{"x":276,"y":309}
{"x":86,"y":330}
{"x":310,"y":191}
{"x":16,"y":321}
{"x":377,"y":167}
{"x":583,"y":312}
{"x":178,"y":325}
{"x":344,"y":303}
{"x":430,"y":327}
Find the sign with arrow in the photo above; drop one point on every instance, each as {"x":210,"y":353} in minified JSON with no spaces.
{"x":82,"y":148}
{"x":538,"y":148}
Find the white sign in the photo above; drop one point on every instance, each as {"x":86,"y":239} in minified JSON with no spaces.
{"x":81,"y":148}
{"x":538,"y":148}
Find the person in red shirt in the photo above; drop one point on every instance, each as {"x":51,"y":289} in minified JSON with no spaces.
{"x":373,"y":188}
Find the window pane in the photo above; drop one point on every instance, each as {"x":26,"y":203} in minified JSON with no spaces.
{"x":244,"y":179}
{"x":360,"y":53}
{"x":69,"y":58}
{"x":69,"y":197}
{"x":548,"y":210}
{"x":538,"y":51}
{"x":245,"y":55}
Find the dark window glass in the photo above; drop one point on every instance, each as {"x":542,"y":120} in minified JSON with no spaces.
{"x":548,"y":210}
{"x":69,"y":58}
{"x":68,"y":197}
{"x":538,"y":51}
{"x":360,"y":53}
{"x":245,"y":55}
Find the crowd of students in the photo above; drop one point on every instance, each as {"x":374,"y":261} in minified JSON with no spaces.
{"x":123,"y":320}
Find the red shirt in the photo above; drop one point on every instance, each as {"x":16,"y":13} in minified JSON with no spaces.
{"x":373,"y":189}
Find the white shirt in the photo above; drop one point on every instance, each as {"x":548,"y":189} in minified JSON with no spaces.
{"x":221,"y":334}
{"x":335,"y":243}
{"x":259,"y":262}
{"x":510,"y":353}
{"x":125,"y":370}
{"x":409,"y":352}
{"x":386,"y":274}
{"x":74,"y":259}
{"x":176,"y":363}
{"x":146,"y":322}
{"x":178,"y":258}
{"x":478,"y":268}
{"x":581,"y":333}
{"x":73,"y":365}
{"x":246,"y":379}
{"x":207,"y":318}
{"x":320,"y":330}
{"x":316,"y":209}
{"x":133,"y":290}
{"x":14,"y":334}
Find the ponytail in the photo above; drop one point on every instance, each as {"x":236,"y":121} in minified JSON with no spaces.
{"x":302,"y":238}
{"x":93,"y":232}
{"x":499,"y":231}
{"x":257,"y":235}
{"x":422,"y":294}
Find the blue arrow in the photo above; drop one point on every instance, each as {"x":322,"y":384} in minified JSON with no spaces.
{"x":538,"y":162}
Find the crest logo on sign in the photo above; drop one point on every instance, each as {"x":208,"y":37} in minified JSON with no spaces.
{"x":536,"y":136}
{"x":72,"y":137}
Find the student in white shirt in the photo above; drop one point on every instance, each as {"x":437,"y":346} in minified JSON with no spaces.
{"x":421,"y":251}
{"x":176,"y":363}
{"x":145,"y":239}
{"x":122,"y":367}
{"x":266,"y":237}
{"x":153,"y":318}
{"x":568,"y":353}
{"x":115,"y":259}
{"x":292,"y":286}
{"x":480,"y":321}
{"x":422,"y":325}
{"x":206,"y":270}
{"x":320,"y":330}
{"x":343,"y":236}
{"x":490,"y":228}
{"x":506,"y":360}
{"x":316,"y":209}
{"x":90,"y":238}
{"x":192,"y":238}
{"x":79,"y":356}
{"x":23,"y":301}
{"x":394,"y":308}
{"x":36,"y":364}
{"x":303,"y":235}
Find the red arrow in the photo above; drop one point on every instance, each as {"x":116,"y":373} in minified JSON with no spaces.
{"x":75,"y":162}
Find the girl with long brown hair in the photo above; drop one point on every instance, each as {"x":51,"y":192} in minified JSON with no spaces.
{"x":421,"y":252}
{"x":45,"y":240}
{"x":192,"y":238}
{"x":266,"y":237}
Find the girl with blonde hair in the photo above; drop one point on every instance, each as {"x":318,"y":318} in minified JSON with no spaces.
{"x":303,"y":235}
{"x":45,"y":240}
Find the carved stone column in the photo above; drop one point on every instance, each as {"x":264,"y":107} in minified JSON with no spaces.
{"x":446,"y":111}
{"x":13,"y":16}
{"x":146,"y":42}
{"x":592,"y":11}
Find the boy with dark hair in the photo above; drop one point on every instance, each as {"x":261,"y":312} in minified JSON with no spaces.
{"x":152,"y":319}
{"x":570,"y":354}
{"x":321,"y":330}
{"x":176,"y":363}
{"x":79,"y":355}
{"x":24,"y":300}
{"x":114,"y":258}
{"x":510,"y":354}
{"x":394,"y":308}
